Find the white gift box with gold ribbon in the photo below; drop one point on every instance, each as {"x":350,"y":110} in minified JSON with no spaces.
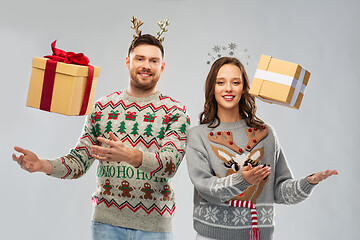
{"x":280,"y":82}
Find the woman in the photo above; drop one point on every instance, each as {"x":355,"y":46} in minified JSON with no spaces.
{"x":236,"y":164}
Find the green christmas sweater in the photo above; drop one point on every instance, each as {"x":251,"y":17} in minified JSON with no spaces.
{"x":138,"y":198}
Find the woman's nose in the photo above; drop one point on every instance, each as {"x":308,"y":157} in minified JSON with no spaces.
{"x":228,"y":87}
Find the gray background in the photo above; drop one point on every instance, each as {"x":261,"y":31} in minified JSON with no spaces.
{"x":323,"y":36}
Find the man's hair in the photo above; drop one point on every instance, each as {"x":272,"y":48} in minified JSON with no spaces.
{"x":247,"y":106}
{"x":146,"y":39}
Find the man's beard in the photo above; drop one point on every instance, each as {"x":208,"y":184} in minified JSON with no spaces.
{"x":143,"y":85}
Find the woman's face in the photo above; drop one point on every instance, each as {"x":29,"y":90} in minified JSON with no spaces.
{"x":228,"y":89}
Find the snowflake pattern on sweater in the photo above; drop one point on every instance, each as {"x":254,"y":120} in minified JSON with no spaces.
{"x":140,"y":198}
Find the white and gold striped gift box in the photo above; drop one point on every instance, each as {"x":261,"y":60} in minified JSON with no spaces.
{"x":280,"y":82}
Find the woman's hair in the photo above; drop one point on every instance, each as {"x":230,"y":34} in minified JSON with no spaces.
{"x":247,"y":106}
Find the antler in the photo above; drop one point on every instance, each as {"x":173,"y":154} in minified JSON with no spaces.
{"x":162,"y":24}
{"x":255,"y":135}
{"x":136,"y":24}
{"x":225,"y":139}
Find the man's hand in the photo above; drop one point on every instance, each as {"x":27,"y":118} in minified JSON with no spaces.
{"x":254,"y":175}
{"x":30,"y":162}
{"x":320,"y":176}
{"x":116,"y":152}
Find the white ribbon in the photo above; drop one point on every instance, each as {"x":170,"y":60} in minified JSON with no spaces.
{"x":285,"y":80}
{"x":299,"y":86}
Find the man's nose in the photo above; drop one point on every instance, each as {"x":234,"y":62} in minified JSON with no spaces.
{"x":146,"y":64}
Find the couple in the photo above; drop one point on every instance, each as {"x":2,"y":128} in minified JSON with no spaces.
{"x":139,"y":138}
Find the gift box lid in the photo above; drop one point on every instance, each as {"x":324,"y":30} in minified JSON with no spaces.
{"x":270,"y":64}
{"x":65,"y":68}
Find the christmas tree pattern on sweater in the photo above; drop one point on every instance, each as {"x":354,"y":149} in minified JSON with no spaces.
{"x":157,"y":126}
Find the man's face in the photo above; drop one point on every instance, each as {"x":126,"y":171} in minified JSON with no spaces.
{"x":145,"y":66}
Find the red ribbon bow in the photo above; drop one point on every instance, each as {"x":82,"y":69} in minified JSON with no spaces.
{"x":49,"y":76}
{"x":67,"y":57}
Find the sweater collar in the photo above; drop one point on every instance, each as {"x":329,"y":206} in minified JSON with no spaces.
{"x":230,"y":125}
{"x":150,"y":98}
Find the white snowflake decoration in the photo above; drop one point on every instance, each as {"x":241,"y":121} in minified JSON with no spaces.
{"x":211,"y":214}
{"x":266,"y":216}
{"x":240,"y":216}
{"x":288,"y":192}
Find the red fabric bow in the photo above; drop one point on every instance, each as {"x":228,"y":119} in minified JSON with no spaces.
{"x":67,"y":57}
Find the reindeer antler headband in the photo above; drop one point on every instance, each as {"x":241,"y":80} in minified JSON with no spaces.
{"x":163,"y":24}
{"x":136,"y":24}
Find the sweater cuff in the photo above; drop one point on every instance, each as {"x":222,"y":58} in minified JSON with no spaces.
{"x":148,"y":164}
{"x":59,"y":170}
{"x":306,"y":186}
{"x":239,"y":182}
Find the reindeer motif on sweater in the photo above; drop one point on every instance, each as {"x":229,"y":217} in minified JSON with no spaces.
{"x":235,"y":163}
{"x":242,"y":158}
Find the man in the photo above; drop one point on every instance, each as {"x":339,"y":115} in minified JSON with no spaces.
{"x":138,"y":136}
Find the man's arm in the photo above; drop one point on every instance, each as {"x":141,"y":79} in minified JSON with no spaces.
{"x":30,"y":162}
{"x":71,"y":166}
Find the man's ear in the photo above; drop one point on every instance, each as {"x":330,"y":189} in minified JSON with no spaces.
{"x":127,"y":62}
{"x":163,"y":66}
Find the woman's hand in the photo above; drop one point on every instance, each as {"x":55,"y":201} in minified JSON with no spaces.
{"x":254,"y":175}
{"x":320,"y":176}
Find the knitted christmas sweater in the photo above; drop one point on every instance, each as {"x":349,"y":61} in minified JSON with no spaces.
{"x":225,"y":205}
{"x":138,"y":198}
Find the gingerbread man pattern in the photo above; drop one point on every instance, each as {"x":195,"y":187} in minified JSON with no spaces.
{"x":126,"y":189}
{"x":148,"y":191}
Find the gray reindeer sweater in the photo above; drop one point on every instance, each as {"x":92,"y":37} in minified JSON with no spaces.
{"x":225,"y":205}
{"x":139,"y":198}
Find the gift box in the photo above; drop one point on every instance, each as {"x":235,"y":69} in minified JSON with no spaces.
{"x":280,"y":82}
{"x":61,"y":84}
